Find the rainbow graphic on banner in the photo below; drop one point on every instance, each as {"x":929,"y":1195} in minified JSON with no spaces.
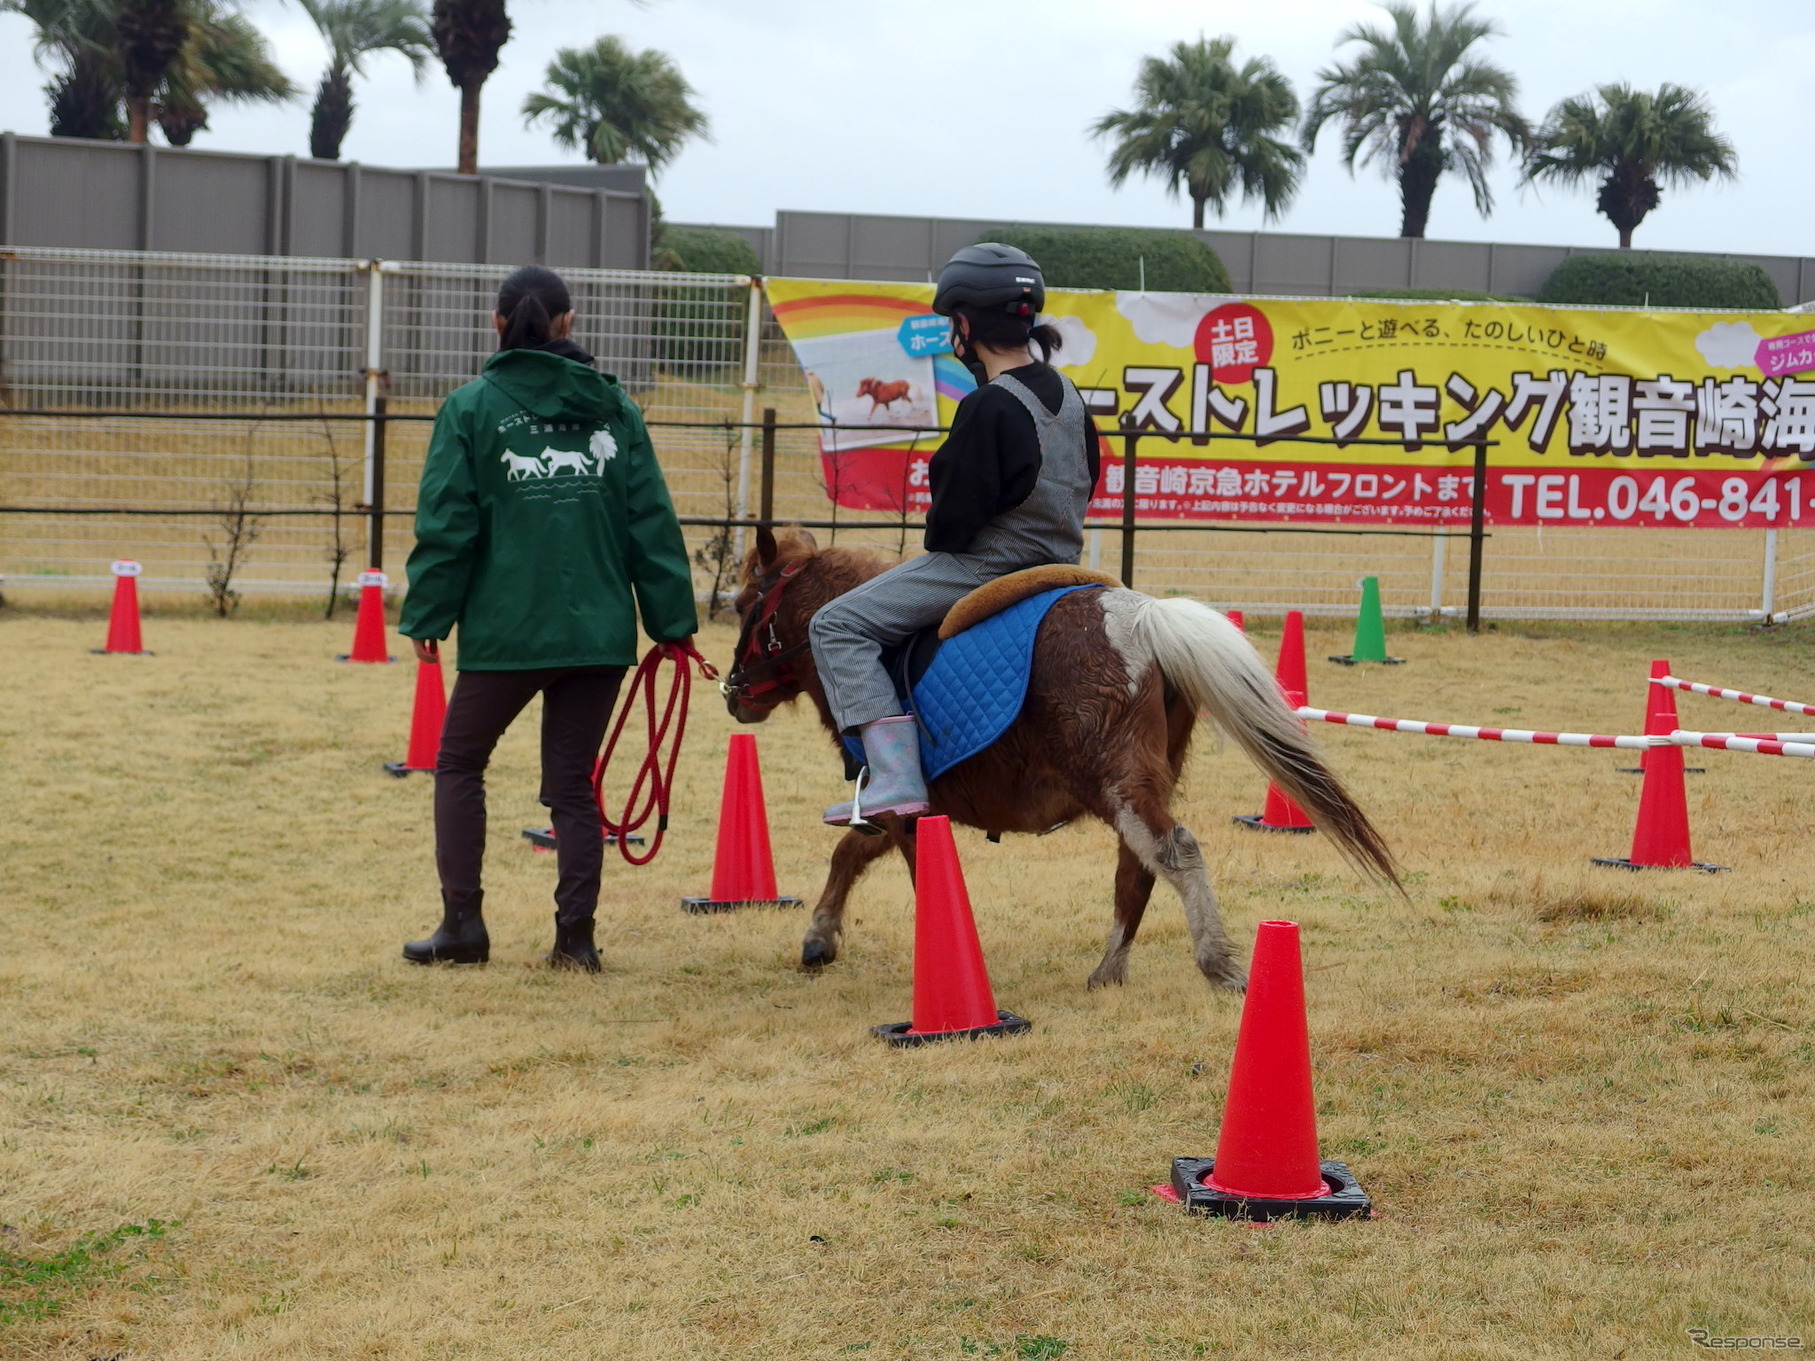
{"x":835,"y":313}
{"x":951,"y":379}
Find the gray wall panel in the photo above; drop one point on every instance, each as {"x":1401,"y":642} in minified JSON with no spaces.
{"x":89,"y":199}
{"x":211,"y":203}
{"x":451,"y":231}
{"x":513,"y":225}
{"x":62,"y":192}
{"x":859,"y":246}
{"x":387,"y":207}
{"x":573,"y":223}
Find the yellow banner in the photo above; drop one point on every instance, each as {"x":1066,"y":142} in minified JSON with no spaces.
{"x":1334,"y":411}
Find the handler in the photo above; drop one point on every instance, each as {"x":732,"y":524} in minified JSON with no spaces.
{"x":1010,"y":488}
{"x":541,"y":510}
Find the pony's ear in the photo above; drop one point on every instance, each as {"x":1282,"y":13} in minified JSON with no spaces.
{"x":806,"y":540}
{"x":765,"y":548}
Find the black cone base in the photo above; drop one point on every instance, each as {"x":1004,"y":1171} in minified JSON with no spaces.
{"x":348,"y":656}
{"x":902,"y":1036}
{"x":1369,"y":661}
{"x":1640,"y":770}
{"x":1346,"y":1199}
{"x":700,"y":907}
{"x":114,"y":652}
{"x":543,"y":838}
{"x":403,"y":768}
{"x":1254,"y":822}
{"x":1622,"y":863}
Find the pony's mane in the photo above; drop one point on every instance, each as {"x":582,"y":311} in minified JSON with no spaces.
{"x":794,"y":544}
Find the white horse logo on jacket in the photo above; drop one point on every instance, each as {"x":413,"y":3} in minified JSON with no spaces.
{"x":519,"y":466}
{"x":573,"y":460}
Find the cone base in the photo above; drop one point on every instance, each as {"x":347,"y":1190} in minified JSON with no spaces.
{"x":363,"y":661}
{"x":1360,"y":661}
{"x":403,"y":768}
{"x":121,"y":652}
{"x":543,"y":838}
{"x":902,"y":1035}
{"x":1346,"y":1199}
{"x":1640,"y":770}
{"x":703,"y":906}
{"x":1257,"y":822}
{"x":1622,"y":863}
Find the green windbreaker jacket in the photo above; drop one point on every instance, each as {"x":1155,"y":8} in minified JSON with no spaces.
{"x":541,"y":510}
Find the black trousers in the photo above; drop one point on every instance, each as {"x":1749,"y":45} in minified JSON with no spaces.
{"x":576,"y":705}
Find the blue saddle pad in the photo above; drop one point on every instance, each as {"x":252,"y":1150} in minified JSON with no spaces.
{"x":977,"y":683}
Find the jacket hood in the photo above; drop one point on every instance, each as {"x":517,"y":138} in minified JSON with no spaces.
{"x":553,"y":387}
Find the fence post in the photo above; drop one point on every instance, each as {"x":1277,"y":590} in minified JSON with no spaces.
{"x":1131,"y":439}
{"x":1477,"y":519}
{"x":376,"y":500}
{"x":753,"y":341}
{"x":767,"y":501}
{"x":374,"y":375}
{"x":1437,"y":552}
{"x":1768,"y":606}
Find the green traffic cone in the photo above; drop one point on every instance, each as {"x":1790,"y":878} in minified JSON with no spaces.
{"x":1370,"y":629}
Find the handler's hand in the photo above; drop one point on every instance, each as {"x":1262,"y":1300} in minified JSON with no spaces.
{"x":427,"y":649}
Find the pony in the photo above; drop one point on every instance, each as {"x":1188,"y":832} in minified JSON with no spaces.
{"x":519,"y":466}
{"x":882,"y":394}
{"x":1118,"y":682}
{"x":579,"y":460}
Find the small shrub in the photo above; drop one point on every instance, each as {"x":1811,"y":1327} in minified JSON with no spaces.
{"x":1115,"y":257}
{"x":709,"y":250}
{"x":1624,"y":280}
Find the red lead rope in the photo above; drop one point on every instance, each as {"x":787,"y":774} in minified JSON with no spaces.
{"x":654,"y":775}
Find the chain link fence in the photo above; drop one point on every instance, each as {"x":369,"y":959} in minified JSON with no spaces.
{"x":222,"y":435}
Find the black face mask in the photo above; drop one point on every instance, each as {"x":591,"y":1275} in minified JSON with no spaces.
{"x":967,"y":356}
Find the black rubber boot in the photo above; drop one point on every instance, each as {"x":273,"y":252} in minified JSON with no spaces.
{"x":460,"y":939}
{"x":574,"y":948}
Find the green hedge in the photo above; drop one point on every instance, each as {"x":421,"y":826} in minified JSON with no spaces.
{"x":1435,"y":295}
{"x":1114,"y":257}
{"x":1624,"y":280}
{"x":707,"y":250}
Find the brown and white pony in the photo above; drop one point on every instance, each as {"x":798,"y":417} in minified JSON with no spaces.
{"x":1119,"y":679}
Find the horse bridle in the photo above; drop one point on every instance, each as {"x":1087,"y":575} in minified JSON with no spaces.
{"x":762,"y":670}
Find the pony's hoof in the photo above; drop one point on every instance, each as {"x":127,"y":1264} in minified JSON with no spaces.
{"x":1106,"y":977}
{"x":1226,"y":974}
{"x":816,"y":954}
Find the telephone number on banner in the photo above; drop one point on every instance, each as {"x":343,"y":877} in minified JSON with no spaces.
{"x":1708,"y":498}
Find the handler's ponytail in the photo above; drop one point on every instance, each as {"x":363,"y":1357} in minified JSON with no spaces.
{"x":529,"y":300}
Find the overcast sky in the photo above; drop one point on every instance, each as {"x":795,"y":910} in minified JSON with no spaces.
{"x":978,"y":108}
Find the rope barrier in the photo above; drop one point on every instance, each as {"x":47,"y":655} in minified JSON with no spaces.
{"x":1542,"y":739}
{"x":1788,"y":706}
{"x":1750,"y":745}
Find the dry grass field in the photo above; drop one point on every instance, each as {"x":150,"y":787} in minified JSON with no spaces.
{"x":1582,"y":1100}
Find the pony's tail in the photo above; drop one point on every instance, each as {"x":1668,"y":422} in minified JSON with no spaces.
{"x":1208,"y":661}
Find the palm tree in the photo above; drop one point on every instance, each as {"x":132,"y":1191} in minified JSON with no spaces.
{"x":225,"y":58}
{"x":150,"y":35}
{"x":1416,"y":103}
{"x":468,"y":35}
{"x":1206,"y":124}
{"x":615,"y":104}
{"x":1635,"y":138}
{"x":353,"y":30}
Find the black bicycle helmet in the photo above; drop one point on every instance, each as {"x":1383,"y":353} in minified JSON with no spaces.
{"x":990,"y":275}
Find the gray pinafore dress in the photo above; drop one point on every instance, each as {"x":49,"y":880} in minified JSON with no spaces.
{"x":850,"y":633}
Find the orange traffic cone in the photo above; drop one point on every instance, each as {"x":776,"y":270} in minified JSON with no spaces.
{"x":1266,"y":1164}
{"x":1660,"y":841}
{"x":426,"y":718}
{"x":1660,"y":716}
{"x":952,"y":997}
{"x":1235,"y":617}
{"x":743,"y":869}
{"x":123,"y":621}
{"x":1280,"y":814}
{"x":368,"y":628}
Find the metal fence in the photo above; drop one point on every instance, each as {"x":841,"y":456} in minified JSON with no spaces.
{"x":211,"y":406}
